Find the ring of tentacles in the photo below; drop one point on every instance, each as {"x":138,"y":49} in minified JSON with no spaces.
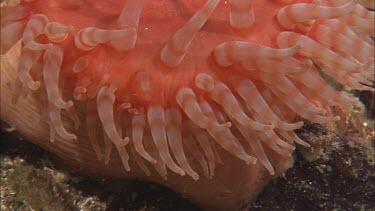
{"x":186,"y":77}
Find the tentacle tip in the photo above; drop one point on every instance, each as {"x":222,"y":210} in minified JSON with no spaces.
{"x":227,"y":124}
{"x":288,"y":154}
{"x":35,"y":86}
{"x":220,"y":127}
{"x":251,"y":160}
{"x":181,"y":172}
{"x":305,"y":144}
{"x":306,"y":66}
{"x":153,"y":161}
{"x":123,"y":142}
{"x":72,"y":137}
{"x":299,"y":124}
{"x":64,"y":105}
{"x":309,"y":62}
{"x":271,"y":171}
{"x":195,"y":176}
{"x":69,"y":104}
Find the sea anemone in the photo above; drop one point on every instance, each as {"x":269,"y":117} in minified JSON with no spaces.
{"x":174,"y":82}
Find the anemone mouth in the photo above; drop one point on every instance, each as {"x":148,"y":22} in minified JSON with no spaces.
{"x":240,"y":95}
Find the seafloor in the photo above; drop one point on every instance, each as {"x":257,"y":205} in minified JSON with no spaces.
{"x":336,"y":173}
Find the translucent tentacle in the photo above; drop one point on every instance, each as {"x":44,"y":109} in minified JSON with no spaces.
{"x":229,"y":53}
{"x":174,"y":125}
{"x":156,"y":121}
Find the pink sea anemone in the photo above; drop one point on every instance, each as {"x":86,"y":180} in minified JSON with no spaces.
{"x":175,"y":82}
